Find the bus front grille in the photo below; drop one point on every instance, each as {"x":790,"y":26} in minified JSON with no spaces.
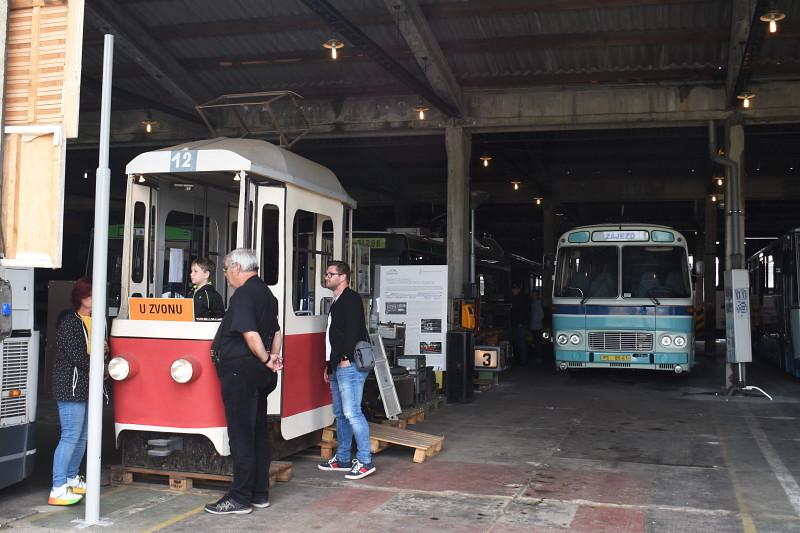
{"x":620,"y":341}
{"x":15,"y":376}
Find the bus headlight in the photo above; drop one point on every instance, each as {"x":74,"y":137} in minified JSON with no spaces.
{"x":680,"y":341}
{"x":183,"y":370}
{"x":562,"y":339}
{"x":119,"y":368}
{"x":575,"y":338}
{"x":666,"y":340}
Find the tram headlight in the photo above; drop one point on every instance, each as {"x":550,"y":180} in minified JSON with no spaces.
{"x":679,"y":341}
{"x":562,"y":339}
{"x":119,"y":368}
{"x":666,"y":340}
{"x":185,"y":370}
{"x":182,"y":371}
{"x":575,"y":338}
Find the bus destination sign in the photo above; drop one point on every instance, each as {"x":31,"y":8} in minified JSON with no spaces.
{"x":621,"y":235}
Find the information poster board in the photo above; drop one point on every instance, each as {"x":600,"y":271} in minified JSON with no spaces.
{"x":416,"y":295}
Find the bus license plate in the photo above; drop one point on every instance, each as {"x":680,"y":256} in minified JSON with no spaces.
{"x":622,"y":358}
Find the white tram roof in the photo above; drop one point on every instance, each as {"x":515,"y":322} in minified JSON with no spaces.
{"x":250,"y":155}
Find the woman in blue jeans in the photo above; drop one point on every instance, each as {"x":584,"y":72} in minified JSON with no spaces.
{"x":71,"y":391}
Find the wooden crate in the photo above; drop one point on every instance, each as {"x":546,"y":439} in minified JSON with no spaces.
{"x":120,"y":475}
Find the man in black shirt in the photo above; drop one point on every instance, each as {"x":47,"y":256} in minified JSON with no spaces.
{"x":345,"y":328}
{"x":247,"y":372}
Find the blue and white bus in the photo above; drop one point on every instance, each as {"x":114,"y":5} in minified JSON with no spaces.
{"x":622,"y":298}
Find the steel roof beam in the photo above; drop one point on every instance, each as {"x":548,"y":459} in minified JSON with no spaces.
{"x":423,"y":44}
{"x":373,"y":17}
{"x":135,"y":42}
{"x":359,"y":39}
{"x":747,"y":33}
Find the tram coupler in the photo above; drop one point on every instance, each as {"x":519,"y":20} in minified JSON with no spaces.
{"x":164,"y":447}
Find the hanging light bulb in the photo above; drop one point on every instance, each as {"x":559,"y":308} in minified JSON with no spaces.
{"x":333,"y":45}
{"x":538,"y":200}
{"x":745,"y":98}
{"x":486,"y":158}
{"x":713,"y":197}
{"x":148,"y":123}
{"x":516,"y":185}
{"x":771,"y":17}
{"x":420,"y":109}
{"x":237,"y":177}
{"x":141,"y":178}
{"x":720,"y":180}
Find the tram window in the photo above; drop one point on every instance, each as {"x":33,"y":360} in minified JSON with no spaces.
{"x":327,"y":247}
{"x":770,"y":272}
{"x":137,"y":266}
{"x":270,"y":245}
{"x":232,"y":238}
{"x":184,"y":231}
{"x":308,"y":261}
{"x":151,"y":245}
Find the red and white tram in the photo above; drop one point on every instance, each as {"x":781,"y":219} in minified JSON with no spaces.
{"x":207,"y":198}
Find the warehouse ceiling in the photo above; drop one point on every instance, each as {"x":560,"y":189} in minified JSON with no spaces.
{"x":599,"y":107}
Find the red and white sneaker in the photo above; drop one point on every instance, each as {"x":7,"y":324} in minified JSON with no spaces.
{"x":333,"y":464}
{"x":360,"y":470}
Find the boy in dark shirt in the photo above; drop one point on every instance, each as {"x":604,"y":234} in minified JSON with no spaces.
{"x":207,"y":301}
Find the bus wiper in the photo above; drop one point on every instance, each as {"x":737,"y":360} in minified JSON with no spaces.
{"x":585,"y":298}
{"x":655,"y":300}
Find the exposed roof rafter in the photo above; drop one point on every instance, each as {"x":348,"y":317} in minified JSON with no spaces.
{"x":423,"y":44}
{"x":356,"y":37}
{"x":747,"y":34}
{"x":135,"y":42}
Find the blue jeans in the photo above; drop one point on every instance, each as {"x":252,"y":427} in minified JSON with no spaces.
{"x":347,"y":386}
{"x":72,"y":444}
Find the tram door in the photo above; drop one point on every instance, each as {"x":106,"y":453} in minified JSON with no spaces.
{"x":266,"y":206}
{"x":140,"y":238}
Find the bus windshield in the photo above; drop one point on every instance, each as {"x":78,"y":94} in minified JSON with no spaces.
{"x":647,"y":272}
{"x":655,"y":271}
{"x":587,"y":271}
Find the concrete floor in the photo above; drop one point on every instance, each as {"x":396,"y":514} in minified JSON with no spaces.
{"x":596,"y":452}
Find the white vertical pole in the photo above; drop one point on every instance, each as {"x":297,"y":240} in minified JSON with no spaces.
{"x":100,"y":259}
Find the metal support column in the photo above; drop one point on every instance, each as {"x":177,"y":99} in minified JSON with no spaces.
{"x":709,"y":277}
{"x":458,"y":143}
{"x":548,"y":247}
{"x":99,"y":274}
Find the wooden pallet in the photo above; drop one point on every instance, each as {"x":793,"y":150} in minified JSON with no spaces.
{"x":382,"y":436}
{"x":120,"y":475}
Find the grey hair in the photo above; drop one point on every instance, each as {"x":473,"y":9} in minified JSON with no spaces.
{"x":245,"y":257}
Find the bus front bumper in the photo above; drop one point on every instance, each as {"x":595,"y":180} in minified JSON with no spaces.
{"x":672,"y":361}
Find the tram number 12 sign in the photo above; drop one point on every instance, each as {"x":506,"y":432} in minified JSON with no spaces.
{"x":174,"y":309}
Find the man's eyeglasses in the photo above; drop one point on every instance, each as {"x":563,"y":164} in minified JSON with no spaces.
{"x":226,"y":268}
{"x":331,"y":274}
